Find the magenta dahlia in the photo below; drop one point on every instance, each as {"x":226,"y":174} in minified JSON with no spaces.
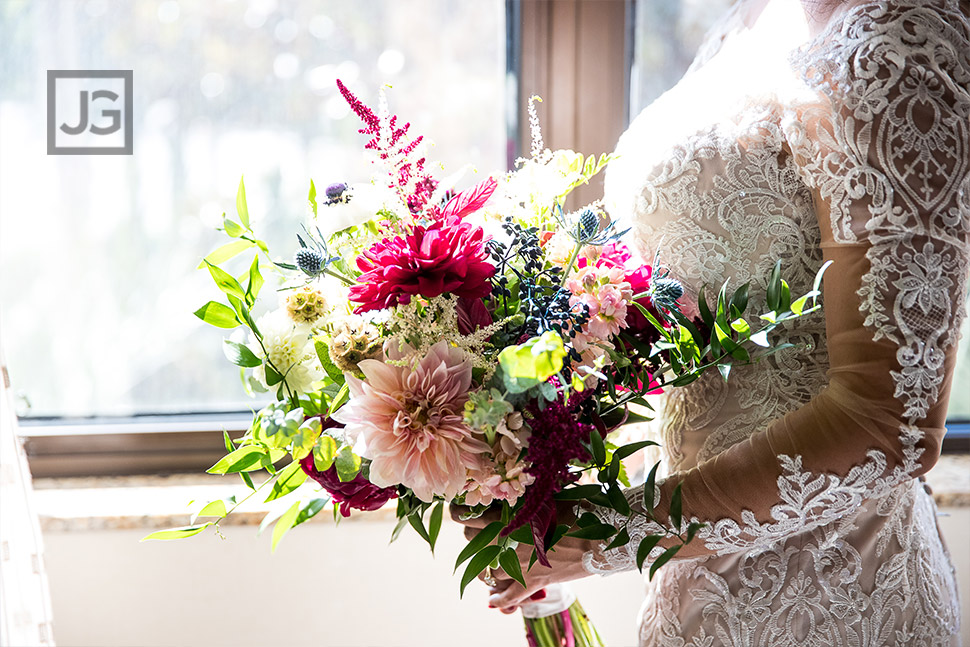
{"x":446,"y":256}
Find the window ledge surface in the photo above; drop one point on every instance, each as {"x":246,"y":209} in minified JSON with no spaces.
{"x":155,"y":502}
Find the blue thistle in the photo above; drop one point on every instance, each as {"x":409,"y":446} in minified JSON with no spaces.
{"x":310,"y":261}
{"x":666,"y":291}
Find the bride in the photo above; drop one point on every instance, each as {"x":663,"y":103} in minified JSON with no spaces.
{"x":807,"y":131}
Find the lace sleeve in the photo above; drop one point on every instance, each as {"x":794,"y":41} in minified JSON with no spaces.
{"x":886,"y":150}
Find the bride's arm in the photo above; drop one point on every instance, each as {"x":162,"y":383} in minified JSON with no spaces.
{"x":887,"y":153}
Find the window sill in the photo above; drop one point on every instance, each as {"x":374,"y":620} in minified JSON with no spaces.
{"x":154,"y":502}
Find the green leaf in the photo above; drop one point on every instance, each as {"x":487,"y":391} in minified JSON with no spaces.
{"x":650,"y":487}
{"x":290,"y":477}
{"x":212,"y":509}
{"x":323,"y":353}
{"x":598,"y":532}
{"x":239,"y":354}
{"x":643,"y":550}
{"x":578,"y":492}
{"x":692,"y":529}
{"x":618,"y":501}
{"x":177,"y":533}
{"x":741,"y":326}
{"x":508,"y":559}
{"x":245,"y":459}
{"x":342,"y":396}
{"x":724,"y":370}
{"x":232,"y":228}
{"x":706,"y":316}
{"x":286,"y":521}
{"x":223,"y":253}
{"x":225,"y":281}
{"x":230,"y":448}
{"x":255,"y":281}
{"x":248,"y":480}
{"x":418,"y":524}
{"x":239,"y":305}
{"x":774,"y":287}
{"x":740,"y":300}
{"x":622,"y":539}
{"x":597,"y":447}
{"x":434,"y":523}
{"x":218,"y":314}
{"x":539,"y":358}
{"x":676,"y":507}
{"x":310,"y":510}
{"x":632,"y":448}
{"x":478,"y":564}
{"x":241,"y":208}
{"x":401,"y":522}
{"x":324,"y":453}
{"x":664,"y":558}
{"x":480,"y":541}
{"x":760,"y":338}
{"x":312,"y":198}
{"x":348,"y":464}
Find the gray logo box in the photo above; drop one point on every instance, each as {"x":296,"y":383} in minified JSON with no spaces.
{"x":94,"y":100}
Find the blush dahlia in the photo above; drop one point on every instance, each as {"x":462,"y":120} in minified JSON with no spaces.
{"x":446,"y":256}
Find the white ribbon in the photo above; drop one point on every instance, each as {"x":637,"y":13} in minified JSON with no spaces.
{"x":559,"y":597}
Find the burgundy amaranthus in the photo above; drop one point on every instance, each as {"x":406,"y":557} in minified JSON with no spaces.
{"x":557,"y":439}
{"x":445,"y":256}
{"x":412,"y":182}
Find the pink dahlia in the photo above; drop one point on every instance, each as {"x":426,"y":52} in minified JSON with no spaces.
{"x":446,"y":256}
{"x":411,"y":421}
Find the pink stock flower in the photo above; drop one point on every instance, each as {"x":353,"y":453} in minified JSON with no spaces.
{"x":446,"y":256}
{"x":603,"y":290}
{"x":502,"y":479}
{"x":411,"y":421}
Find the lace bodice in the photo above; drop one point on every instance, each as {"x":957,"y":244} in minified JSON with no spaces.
{"x":845,"y":138}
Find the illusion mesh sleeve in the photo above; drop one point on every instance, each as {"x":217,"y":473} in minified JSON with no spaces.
{"x":886,"y":151}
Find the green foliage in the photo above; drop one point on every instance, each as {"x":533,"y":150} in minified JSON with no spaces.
{"x":177,"y":533}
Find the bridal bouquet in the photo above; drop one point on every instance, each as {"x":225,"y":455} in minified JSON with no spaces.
{"x":432,"y":345}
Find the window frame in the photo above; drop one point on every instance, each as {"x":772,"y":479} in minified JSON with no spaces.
{"x":585,"y":108}
{"x":544,"y":38}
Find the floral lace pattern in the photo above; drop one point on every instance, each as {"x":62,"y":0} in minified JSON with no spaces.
{"x":872,"y":117}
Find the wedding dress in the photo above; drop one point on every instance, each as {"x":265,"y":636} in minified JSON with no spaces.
{"x":846,"y":140}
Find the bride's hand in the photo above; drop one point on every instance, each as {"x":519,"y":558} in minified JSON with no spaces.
{"x":565,"y":559}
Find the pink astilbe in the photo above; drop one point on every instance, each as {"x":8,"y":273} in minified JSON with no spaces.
{"x":408,"y":177}
{"x":411,"y":421}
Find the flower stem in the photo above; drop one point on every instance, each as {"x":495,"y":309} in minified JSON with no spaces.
{"x":569,"y":265}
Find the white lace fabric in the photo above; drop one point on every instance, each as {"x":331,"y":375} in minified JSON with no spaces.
{"x":854,"y":147}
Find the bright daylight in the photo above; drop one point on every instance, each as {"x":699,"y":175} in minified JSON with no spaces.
{"x":478,"y":323}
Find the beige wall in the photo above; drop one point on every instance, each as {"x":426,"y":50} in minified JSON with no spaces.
{"x":324,"y":586}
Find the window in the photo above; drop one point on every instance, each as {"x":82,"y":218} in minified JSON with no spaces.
{"x":99,"y":252}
